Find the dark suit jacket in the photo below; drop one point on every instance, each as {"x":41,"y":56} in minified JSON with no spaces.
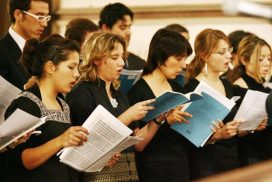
{"x":134,"y":62}
{"x":10,"y":69}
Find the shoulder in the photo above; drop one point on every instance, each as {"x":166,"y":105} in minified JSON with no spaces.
{"x":133,"y":56}
{"x":81,"y":94}
{"x":81,"y":88}
{"x":176,"y":86}
{"x":190,"y":85}
{"x":139,"y":86}
{"x":25,"y":104}
{"x":240,"y":82}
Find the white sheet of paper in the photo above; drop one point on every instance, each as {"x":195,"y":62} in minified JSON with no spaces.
{"x":16,"y":126}
{"x":8,"y":92}
{"x":204,"y":87}
{"x":106,"y":133}
{"x":252,"y":110}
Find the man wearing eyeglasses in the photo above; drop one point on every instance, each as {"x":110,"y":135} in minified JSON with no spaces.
{"x":29,"y":18}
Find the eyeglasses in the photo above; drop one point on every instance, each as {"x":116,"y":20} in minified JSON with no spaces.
{"x":224,"y":53}
{"x":39,"y":17}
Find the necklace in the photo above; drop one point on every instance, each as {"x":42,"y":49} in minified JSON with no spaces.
{"x":114,"y":103}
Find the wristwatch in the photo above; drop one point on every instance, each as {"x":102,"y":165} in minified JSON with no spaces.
{"x":158,"y":122}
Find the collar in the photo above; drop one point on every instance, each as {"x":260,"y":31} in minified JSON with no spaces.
{"x":20,"y":41}
{"x":101,"y":83}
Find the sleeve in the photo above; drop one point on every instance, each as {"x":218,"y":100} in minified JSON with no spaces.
{"x":82,"y":103}
{"x":137,"y":94}
{"x":268,"y":105}
{"x":14,"y":155}
{"x":24,"y":104}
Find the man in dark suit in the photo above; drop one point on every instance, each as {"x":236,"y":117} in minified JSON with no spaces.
{"x":28,"y":20}
{"x":117,"y":19}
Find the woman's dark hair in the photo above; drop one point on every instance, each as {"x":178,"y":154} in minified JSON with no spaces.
{"x":55,"y":48}
{"x":164,"y":44}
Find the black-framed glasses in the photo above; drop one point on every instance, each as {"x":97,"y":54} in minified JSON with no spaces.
{"x":40,"y":18}
{"x":224,"y":52}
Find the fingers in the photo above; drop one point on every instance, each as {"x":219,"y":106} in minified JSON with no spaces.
{"x":113,"y":160}
{"x":74,"y":136}
{"x":215,"y":126}
{"x":147,"y":102}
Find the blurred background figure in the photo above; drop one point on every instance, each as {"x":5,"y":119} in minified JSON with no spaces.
{"x":117,"y":19}
{"x":79,"y":29}
{"x":179,"y":28}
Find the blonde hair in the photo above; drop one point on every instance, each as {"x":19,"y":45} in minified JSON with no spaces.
{"x":249,"y":49}
{"x":205,"y":43}
{"x":98,"y":46}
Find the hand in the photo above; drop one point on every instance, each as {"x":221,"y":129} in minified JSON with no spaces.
{"x":23,"y":139}
{"x":262,"y":125}
{"x":217,"y":125}
{"x":177,"y":115}
{"x":227,"y":131}
{"x":31,"y":81}
{"x":138,"y":110}
{"x":113,"y":160}
{"x":74,"y":136}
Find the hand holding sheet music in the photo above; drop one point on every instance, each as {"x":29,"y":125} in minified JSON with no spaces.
{"x":16,"y":126}
{"x":107,"y":136}
{"x":212,"y":107}
{"x":168,"y":101}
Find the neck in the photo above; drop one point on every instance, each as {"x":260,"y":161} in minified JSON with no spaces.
{"x":157,"y":76}
{"x":211,"y":77}
{"x":18,"y":30}
{"x":47,"y":89}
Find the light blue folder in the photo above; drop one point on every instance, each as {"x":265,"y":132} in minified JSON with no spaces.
{"x":204,"y":112}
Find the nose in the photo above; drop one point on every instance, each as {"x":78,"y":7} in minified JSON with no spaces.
{"x":228,"y":55}
{"x":128,"y":31}
{"x":76,"y":74}
{"x":121,"y":62}
{"x":44,"y":23}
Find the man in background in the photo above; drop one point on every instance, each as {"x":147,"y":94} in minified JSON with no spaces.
{"x":117,"y":19}
{"x":29,"y":19}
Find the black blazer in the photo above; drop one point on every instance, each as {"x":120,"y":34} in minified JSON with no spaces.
{"x":10,"y":69}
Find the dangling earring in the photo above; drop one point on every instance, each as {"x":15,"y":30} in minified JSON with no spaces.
{"x":206,"y":69}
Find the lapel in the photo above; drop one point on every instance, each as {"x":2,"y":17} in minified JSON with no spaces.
{"x":15,"y":53}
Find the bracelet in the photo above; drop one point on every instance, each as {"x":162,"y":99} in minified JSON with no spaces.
{"x":158,"y":122}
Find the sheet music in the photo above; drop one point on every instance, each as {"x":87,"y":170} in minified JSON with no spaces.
{"x":8,"y":92}
{"x":105,"y":133}
{"x":252,"y":110}
{"x":16,"y":126}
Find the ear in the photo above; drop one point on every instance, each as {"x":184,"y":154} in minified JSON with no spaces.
{"x":105,"y":28}
{"x":49,"y":67}
{"x":18,"y":15}
{"x":97,"y":62}
{"x":243,"y":61}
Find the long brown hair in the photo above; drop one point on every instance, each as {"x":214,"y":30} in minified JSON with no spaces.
{"x":249,"y":49}
{"x":205,"y":43}
{"x":96,"y":48}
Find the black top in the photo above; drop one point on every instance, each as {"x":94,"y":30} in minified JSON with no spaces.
{"x":222,"y":155}
{"x":10,"y":68}
{"x":134,"y":62}
{"x":166,"y":154}
{"x":254,"y":85}
{"x":86,"y":96}
{"x":56,"y":123}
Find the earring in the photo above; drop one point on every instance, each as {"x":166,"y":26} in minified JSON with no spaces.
{"x":206,"y":69}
